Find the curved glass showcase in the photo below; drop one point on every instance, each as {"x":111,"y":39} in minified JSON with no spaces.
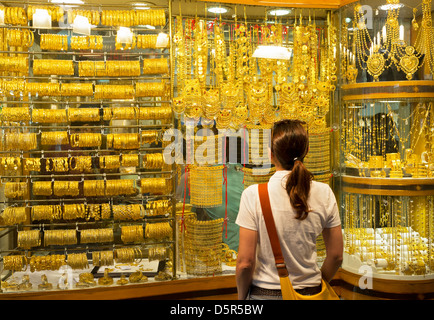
{"x":386,"y":142}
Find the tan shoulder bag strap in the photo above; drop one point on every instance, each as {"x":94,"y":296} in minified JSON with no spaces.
{"x":271,"y":229}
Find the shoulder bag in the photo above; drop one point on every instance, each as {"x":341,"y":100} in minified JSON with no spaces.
{"x":288,"y":292}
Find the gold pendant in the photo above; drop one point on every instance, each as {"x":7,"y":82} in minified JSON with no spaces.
{"x":409,"y":63}
{"x":376,"y":64}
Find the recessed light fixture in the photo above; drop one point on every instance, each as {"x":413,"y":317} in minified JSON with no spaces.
{"x":141,"y":5}
{"x":279,"y":12}
{"x":67,"y":1}
{"x":218,"y":10}
{"x":391,"y":6}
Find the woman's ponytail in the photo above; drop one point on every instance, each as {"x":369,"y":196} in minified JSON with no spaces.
{"x":298,"y":188}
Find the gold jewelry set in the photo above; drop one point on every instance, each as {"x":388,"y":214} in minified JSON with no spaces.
{"x":365,"y":143}
{"x":388,"y":49}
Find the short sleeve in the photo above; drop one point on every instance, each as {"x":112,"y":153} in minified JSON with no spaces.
{"x":333,"y":218}
{"x":247,"y":212}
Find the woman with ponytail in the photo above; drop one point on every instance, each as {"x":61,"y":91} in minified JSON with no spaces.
{"x":302,"y":210}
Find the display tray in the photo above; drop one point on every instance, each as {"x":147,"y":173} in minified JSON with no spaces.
{"x":389,"y":186}
{"x":393,"y":90}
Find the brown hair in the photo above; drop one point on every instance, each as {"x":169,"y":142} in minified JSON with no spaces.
{"x":289,"y":146}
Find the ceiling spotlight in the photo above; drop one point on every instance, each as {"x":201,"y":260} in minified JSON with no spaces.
{"x":67,"y":1}
{"x":218,"y":10}
{"x":391,"y":6}
{"x":279,"y":12}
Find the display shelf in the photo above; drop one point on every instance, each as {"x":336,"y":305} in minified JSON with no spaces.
{"x":110,"y":214}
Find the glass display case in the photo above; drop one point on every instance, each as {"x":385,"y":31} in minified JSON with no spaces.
{"x":86,"y":198}
{"x":386,"y":145}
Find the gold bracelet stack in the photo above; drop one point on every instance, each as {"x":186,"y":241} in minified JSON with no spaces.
{"x":86,"y":140}
{"x":102,"y":258}
{"x":10,"y":163}
{"x":51,"y":262}
{"x":42,"y":188}
{"x":80,"y":164}
{"x":92,"y":69}
{"x":77,"y":261}
{"x":15,"y":16}
{"x":151,"y":89}
{"x":15,"y":190}
{"x":158,"y":207}
{"x":53,"y":67}
{"x":43,"y":89}
{"x":76,"y":89}
{"x":94,"y":188}
{"x":109,"y":162}
{"x":29,"y":239}
{"x":83,"y":115}
{"x":154,"y":185}
{"x":155,"y":113}
{"x":9,"y":87}
{"x":15,"y":114}
{"x":19,"y":38}
{"x":120,"y":187}
{"x":98,"y":211}
{"x":96,"y":235}
{"x":114,"y":91}
{"x":123,"y":140}
{"x":46,"y":212}
{"x":54,"y":42}
{"x":86,"y":42}
{"x":132,"y":233}
{"x":153,"y":161}
{"x":60,"y":237}
{"x":158,"y":231}
{"x":124,"y":113}
{"x":149,"y":136}
{"x":49,"y":116}
{"x":51,"y":138}
{"x":32,"y":164}
{"x":122,"y":68}
{"x":128,"y":212}
{"x":18,"y":64}
{"x":128,"y":255}
{"x":13,"y":215}
{"x":128,"y":18}
{"x":147,"y":41}
{"x":157,"y":253}
{"x":74,"y":211}
{"x":129,"y":160}
{"x":14,"y":262}
{"x":155,"y":66}
{"x":20,"y":141}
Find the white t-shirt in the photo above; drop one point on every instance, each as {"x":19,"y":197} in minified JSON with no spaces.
{"x":299,"y":236}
